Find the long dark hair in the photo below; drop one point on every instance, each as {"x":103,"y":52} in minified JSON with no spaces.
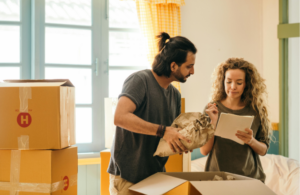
{"x":173,"y":50}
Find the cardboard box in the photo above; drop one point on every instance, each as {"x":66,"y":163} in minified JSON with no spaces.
{"x":195,"y":183}
{"x":175,"y":163}
{"x":39,"y":172}
{"x":37,"y":114}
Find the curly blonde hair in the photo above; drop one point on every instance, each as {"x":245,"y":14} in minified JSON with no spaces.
{"x":254,"y":93}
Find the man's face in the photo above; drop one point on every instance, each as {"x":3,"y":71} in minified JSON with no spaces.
{"x":186,"y":69}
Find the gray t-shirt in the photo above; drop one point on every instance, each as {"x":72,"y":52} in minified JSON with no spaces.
{"x":132,"y":153}
{"x":230,"y":156}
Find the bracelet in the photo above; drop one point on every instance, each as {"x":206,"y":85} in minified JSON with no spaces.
{"x":160,"y":131}
{"x":250,"y":142}
{"x":163,"y":132}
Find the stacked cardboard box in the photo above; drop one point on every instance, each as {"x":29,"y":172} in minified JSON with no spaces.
{"x":36,"y":132}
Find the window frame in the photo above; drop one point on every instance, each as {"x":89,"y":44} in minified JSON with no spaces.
{"x":32,"y":60}
{"x":285,"y":31}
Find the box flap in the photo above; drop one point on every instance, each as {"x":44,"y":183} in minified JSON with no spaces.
{"x":189,"y":176}
{"x":236,"y":187}
{"x":31,"y":84}
{"x":43,"y":82}
{"x":199,"y":176}
{"x":239,"y":177}
{"x":157,"y":184}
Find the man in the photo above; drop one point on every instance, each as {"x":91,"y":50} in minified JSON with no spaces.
{"x":147,"y":106}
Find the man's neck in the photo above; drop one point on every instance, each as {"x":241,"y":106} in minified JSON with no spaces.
{"x":163,"y":81}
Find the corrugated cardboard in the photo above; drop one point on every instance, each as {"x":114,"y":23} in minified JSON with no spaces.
{"x":175,"y":163}
{"x":40,"y":167}
{"x":195,"y":183}
{"x":37,"y":114}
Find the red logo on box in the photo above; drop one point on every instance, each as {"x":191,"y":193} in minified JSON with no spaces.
{"x":66,"y":182}
{"x":24,"y":119}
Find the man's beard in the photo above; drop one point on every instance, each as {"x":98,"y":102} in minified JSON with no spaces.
{"x":181,"y":78}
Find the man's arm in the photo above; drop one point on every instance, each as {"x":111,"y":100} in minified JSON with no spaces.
{"x":125,"y":118}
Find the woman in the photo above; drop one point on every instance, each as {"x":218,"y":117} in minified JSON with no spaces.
{"x":238,"y":89}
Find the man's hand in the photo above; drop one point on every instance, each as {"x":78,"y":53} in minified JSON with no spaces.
{"x":173,"y":138}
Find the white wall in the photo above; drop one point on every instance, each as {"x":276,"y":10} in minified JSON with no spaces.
{"x":221,"y":29}
{"x":271,"y":55}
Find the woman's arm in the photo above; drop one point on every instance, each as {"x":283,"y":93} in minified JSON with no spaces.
{"x":205,"y":150}
{"x":212,"y":112}
{"x":258,"y":147}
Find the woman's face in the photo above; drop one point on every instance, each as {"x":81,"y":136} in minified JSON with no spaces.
{"x":235,"y":83}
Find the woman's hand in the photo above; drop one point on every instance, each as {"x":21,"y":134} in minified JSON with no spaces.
{"x":258,"y":147}
{"x":247,"y":138}
{"x":212,"y":111}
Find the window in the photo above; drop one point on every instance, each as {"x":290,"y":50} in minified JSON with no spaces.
{"x":95,"y":44}
{"x":14,"y":32}
{"x":293,"y":84}
{"x":289,"y":62}
{"x":127,"y":46}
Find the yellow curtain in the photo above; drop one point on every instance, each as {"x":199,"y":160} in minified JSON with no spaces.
{"x":157,"y":16}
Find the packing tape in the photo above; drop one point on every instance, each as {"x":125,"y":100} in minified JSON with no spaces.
{"x":64,"y":100}
{"x":67,"y":100}
{"x":23,"y":142}
{"x":68,"y":114}
{"x":62,"y":184}
{"x":14,"y":186}
{"x":24,"y":95}
{"x":72,"y":138}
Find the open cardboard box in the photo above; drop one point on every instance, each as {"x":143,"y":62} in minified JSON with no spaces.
{"x":37,"y":114}
{"x":195,"y":183}
{"x":175,"y":163}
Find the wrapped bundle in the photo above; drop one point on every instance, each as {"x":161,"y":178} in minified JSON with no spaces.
{"x":195,"y":127}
